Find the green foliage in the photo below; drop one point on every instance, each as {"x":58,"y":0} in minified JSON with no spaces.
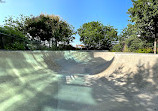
{"x":66,"y":47}
{"x":97,"y":36}
{"x":131,"y":42}
{"x":129,"y":31}
{"x":64,"y":33}
{"x":12,"y":39}
{"x":134,"y":43}
{"x":12,"y":32}
{"x":50,"y":27}
{"x":54,"y":47}
{"x":125,"y":48}
{"x":63,"y":47}
{"x":144,"y":50}
{"x":118,"y":47}
{"x":15,"y":46}
{"x":41,"y":29}
{"x":17,"y":23}
{"x":144,"y":14}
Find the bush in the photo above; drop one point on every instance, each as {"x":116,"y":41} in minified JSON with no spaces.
{"x":12,"y":39}
{"x":54,"y":47}
{"x":15,"y":46}
{"x":117,"y":47}
{"x":66,"y":47}
{"x":145,"y":50}
{"x":134,"y":44}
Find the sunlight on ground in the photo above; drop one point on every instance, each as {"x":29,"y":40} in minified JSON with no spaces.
{"x":77,"y":81}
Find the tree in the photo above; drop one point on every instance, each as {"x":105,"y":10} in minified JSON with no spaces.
{"x":43,"y":28}
{"x":50,"y":27}
{"x":14,"y":29}
{"x":39,"y":28}
{"x":62,"y":32}
{"x":66,"y":33}
{"x":18,"y":23}
{"x":130,"y":40}
{"x":12,"y":39}
{"x":129,"y":31}
{"x":144,"y":14}
{"x":97,"y":36}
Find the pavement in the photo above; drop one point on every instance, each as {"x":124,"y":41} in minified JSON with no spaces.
{"x":78,"y":81}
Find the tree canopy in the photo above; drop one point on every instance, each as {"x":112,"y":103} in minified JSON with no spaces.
{"x":47,"y":29}
{"x":144,"y":14}
{"x":12,"y":39}
{"x":39,"y":28}
{"x":97,"y":36}
{"x":50,"y":27}
{"x":129,"y":41}
{"x":127,"y":32}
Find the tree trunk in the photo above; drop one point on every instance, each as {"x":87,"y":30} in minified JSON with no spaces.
{"x":155,"y":50}
{"x":49,"y":43}
{"x":1,"y":42}
{"x":56,"y":44}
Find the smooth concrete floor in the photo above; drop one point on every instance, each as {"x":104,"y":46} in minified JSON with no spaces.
{"x":78,"y":81}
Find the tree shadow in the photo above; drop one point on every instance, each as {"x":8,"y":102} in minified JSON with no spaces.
{"x":135,"y":91}
{"x":34,"y":99}
{"x":40,"y":89}
{"x":24,"y":87}
{"x":85,"y":64}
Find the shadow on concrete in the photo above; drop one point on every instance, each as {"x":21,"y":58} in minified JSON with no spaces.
{"x":22,"y":87}
{"x":39,"y":90}
{"x":71,"y":66}
{"x":128,"y":90}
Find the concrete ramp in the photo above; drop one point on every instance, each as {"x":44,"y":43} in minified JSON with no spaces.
{"x":78,"y":81}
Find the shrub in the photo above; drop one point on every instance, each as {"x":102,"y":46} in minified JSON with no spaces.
{"x":66,"y":47}
{"x":12,"y":39}
{"x":15,"y":46}
{"x":117,"y":47}
{"x":144,"y":50}
{"x":134,"y":43}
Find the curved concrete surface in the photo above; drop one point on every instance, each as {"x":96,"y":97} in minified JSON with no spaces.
{"x":78,"y":81}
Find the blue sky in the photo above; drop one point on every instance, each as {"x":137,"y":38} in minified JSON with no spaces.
{"x":75,"y":12}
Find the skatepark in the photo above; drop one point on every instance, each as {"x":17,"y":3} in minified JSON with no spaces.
{"x":78,"y":81}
